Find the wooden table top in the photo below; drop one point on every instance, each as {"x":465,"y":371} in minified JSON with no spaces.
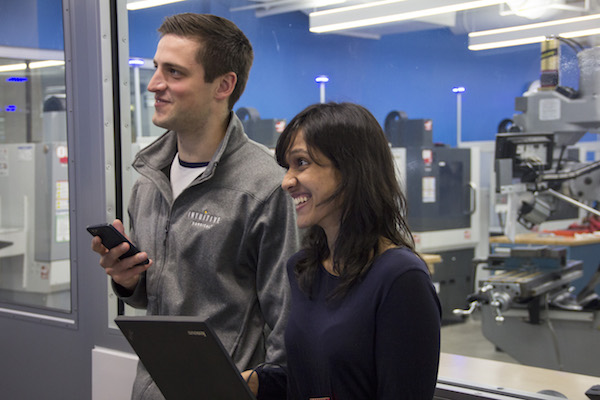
{"x":548,"y":239}
{"x":431,"y":260}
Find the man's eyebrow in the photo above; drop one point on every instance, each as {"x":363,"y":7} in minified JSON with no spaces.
{"x":171,"y":65}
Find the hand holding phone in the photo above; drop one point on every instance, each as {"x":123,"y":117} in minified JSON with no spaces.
{"x":111,"y":237}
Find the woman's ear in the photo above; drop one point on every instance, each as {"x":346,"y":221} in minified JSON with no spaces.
{"x":226,"y":85}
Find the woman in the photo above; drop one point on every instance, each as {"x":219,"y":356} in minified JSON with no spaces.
{"x":365,"y":318}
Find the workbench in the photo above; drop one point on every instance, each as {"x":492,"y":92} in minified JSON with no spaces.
{"x":515,"y":376}
{"x":431,"y":260}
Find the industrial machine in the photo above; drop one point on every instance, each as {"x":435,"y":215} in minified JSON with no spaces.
{"x":264,"y":131}
{"x":531,"y":167}
{"x":529,"y":310}
{"x":34,"y":215}
{"x":529,"y":306}
{"x":440,"y":185}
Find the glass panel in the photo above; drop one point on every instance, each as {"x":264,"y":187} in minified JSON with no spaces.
{"x":34,"y":186}
{"x":425,"y":87}
{"x":142,"y":107}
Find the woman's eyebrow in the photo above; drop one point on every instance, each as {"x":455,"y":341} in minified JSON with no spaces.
{"x":297,"y":150}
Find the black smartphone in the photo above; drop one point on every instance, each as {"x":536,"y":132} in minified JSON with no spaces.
{"x":111,"y":237}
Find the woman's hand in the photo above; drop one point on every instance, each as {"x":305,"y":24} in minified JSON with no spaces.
{"x":251,"y":377}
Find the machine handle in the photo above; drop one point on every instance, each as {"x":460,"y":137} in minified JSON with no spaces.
{"x":472,"y":307}
{"x":472,"y":198}
{"x":574,"y":202}
{"x":475,"y":299}
{"x":498,"y":308}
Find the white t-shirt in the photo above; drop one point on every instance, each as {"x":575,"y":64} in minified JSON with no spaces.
{"x":183,"y":173}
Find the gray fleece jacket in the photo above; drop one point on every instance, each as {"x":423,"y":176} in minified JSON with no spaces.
{"x":219,"y":249}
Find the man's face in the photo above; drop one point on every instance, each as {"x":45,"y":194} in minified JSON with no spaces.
{"x":183,"y":101}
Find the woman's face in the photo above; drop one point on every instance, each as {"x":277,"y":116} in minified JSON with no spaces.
{"x":310,"y":185}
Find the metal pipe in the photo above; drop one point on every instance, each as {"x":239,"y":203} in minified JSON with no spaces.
{"x":572,"y":201}
{"x":561,"y":176}
{"x":138,"y":101}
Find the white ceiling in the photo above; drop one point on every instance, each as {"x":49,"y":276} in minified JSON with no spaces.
{"x":460,"y":22}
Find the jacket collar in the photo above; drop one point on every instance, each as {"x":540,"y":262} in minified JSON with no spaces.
{"x":159,"y":154}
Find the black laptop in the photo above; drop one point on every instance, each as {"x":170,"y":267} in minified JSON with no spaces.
{"x":184,"y":357}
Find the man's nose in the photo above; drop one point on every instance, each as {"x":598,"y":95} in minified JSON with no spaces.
{"x":156,"y":82}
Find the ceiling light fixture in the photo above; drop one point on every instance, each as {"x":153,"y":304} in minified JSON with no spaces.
{"x":138,"y":5}
{"x":32,"y":65}
{"x":355,"y":7}
{"x":45,"y":64}
{"x":534,"y":33}
{"x":383,"y":12}
{"x":267,"y":8}
{"x":534,"y":9}
{"x":585,"y":32}
{"x":13,"y":67}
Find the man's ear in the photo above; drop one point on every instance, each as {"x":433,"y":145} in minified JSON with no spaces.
{"x":226,"y":86}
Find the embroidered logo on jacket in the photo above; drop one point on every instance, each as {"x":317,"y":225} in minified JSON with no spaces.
{"x":203,"y":219}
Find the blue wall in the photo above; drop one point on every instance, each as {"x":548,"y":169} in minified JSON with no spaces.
{"x":32,"y":23}
{"x":412,"y":72}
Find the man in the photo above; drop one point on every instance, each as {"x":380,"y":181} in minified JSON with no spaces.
{"x":208,"y":209}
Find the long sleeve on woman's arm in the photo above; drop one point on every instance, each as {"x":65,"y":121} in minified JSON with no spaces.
{"x":408,"y":339}
{"x":272,"y":383}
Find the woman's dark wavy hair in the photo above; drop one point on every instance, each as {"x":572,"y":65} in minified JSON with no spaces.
{"x":373,"y":206}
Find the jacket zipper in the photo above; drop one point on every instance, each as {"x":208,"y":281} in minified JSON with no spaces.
{"x":166,"y":235}
{"x":164,"y":260}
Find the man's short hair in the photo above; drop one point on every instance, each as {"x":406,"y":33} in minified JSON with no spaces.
{"x":224,"y":47}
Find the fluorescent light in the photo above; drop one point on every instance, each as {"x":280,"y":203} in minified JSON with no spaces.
{"x":274,"y":7}
{"x":45,"y":64}
{"x":507,"y":43}
{"x":585,"y":32}
{"x":13,"y":67}
{"x":355,"y":7}
{"x":535,"y":26}
{"x":32,"y":65}
{"x":301,"y":5}
{"x":138,"y":5}
{"x":534,"y":33}
{"x":383,"y":12}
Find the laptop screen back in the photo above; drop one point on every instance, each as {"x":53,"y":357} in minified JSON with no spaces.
{"x":184,"y":357}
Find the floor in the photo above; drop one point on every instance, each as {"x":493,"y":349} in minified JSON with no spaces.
{"x":465,"y":338}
